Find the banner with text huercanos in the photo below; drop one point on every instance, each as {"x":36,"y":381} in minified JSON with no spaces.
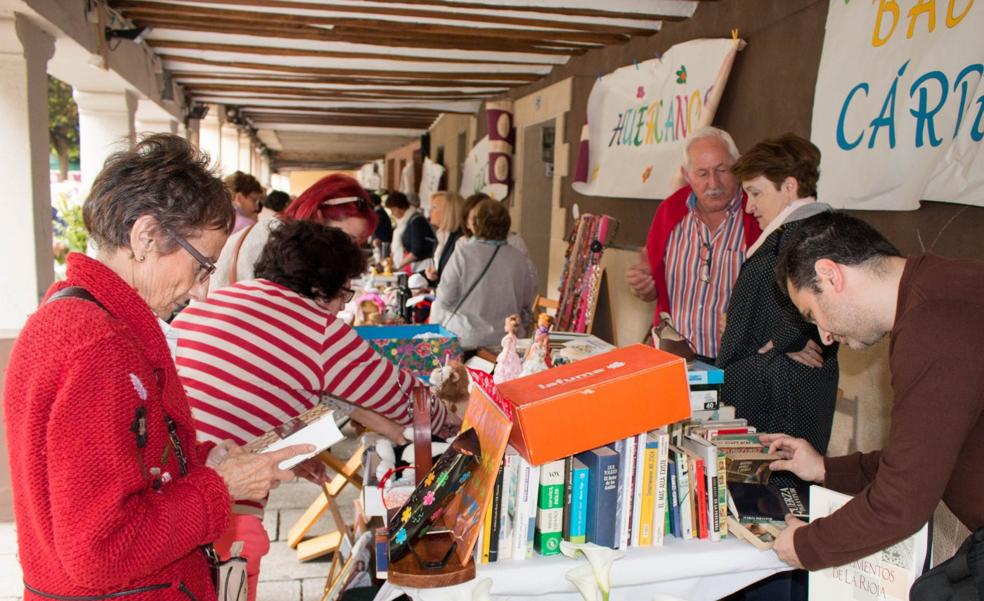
{"x":899,"y":106}
{"x":639,"y":117}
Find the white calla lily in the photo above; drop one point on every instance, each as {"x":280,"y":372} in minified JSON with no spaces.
{"x":600,"y":558}
{"x":583,"y":578}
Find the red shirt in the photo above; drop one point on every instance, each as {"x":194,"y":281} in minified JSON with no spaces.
{"x":89,"y":521}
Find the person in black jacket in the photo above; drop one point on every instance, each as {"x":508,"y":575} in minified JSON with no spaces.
{"x":383,"y":234}
{"x":413,"y":240}
{"x":447,"y":217}
{"x":777,"y":373}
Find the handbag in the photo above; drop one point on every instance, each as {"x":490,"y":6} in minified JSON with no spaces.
{"x":960,"y":578}
{"x":231,"y":584}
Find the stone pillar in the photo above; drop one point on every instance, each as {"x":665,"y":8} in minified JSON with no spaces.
{"x":106,"y":125}
{"x":191,"y":130}
{"x":210,"y":138}
{"x":25,"y":205}
{"x":230,"y":148}
{"x":245,"y":153}
{"x":264,"y":176}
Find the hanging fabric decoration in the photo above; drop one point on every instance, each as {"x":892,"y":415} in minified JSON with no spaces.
{"x":580,"y":281}
{"x":502,"y":139}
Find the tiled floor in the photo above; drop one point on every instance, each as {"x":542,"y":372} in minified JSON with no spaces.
{"x":282,"y":576}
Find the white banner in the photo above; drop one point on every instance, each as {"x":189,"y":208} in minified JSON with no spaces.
{"x":640,"y":115}
{"x":475,"y":178}
{"x":898,"y":107}
{"x":430,"y":182}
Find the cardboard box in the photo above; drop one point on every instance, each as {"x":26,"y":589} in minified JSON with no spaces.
{"x":584,"y":405}
{"x":402,"y":346}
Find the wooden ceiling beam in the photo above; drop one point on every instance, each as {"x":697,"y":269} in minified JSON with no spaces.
{"x":246,"y":106}
{"x":328,"y":54}
{"x":487,"y":17}
{"x":326,"y":35}
{"x":192,"y":76}
{"x":323,"y":93}
{"x":557,"y":10}
{"x":407,"y":76}
{"x":361,"y":120}
{"x":357,"y":26}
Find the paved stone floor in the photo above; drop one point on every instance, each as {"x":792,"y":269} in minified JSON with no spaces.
{"x":282,"y":576}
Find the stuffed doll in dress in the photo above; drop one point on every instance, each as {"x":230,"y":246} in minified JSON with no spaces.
{"x":508,"y":365}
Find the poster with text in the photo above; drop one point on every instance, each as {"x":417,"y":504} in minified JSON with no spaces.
{"x":475,"y":177}
{"x":886,"y":575}
{"x":898,"y":107}
{"x":640,"y":115}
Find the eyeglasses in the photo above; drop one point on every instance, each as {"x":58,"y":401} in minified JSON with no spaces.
{"x":346,"y":295}
{"x":205,"y":265}
{"x":704,"y":269}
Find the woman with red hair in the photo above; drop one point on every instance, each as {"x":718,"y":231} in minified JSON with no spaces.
{"x":336,"y":200}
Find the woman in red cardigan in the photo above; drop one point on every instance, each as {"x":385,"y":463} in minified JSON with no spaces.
{"x":113,"y":496}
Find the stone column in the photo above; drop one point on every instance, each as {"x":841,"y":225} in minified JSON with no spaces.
{"x":245,"y":153}
{"x":25,"y":205}
{"x":106,"y":125}
{"x":264,"y":176}
{"x":209,"y":138}
{"x":230,"y":148}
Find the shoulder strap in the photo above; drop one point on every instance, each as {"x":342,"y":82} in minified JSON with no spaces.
{"x":473,"y":284}
{"x":233,"y":276}
{"x":76,"y":292}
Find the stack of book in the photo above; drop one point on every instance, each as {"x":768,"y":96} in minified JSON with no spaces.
{"x":705,"y":383}
{"x":634,"y":492}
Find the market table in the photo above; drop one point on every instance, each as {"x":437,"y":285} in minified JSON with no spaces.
{"x":692,"y":570}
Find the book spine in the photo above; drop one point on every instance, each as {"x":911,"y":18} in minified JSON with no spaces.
{"x":700,"y":497}
{"x":638,"y":476}
{"x":534,"y":486}
{"x":579,"y":502}
{"x":626,"y":450}
{"x":673,"y":501}
{"x":648,"y":494}
{"x":722,"y":481}
{"x":565,"y":532}
{"x":602,"y":497}
{"x":659,"y":510}
{"x":683,"y":494}
{"x":522,"y":513}
{"x":496,"y":515}
{"x":508,"y":511}
{"x":550,"y":509}
{"x":486,"y":533}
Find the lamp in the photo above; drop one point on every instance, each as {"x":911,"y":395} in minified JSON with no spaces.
{"x":134,"y":34}
{"x":198,"y":111}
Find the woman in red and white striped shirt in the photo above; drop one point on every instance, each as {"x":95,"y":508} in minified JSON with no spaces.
{"x":259,"y":352}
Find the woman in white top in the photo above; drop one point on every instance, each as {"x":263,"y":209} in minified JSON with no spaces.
{"x":336,"y":200}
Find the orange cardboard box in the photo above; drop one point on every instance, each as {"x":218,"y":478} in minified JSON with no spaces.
{"x":583,"y":405}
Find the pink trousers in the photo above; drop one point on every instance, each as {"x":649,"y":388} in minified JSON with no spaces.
{"x":250,"y":530}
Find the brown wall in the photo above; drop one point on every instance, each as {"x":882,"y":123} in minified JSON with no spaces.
{"x":770,"y":92}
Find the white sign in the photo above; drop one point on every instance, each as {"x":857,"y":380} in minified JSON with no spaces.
{"x":640,"y":115}
{"x":475,"y":178}
{"x":430,"y":182}
{"x":886,"y":575}
{"x":899,"y":106}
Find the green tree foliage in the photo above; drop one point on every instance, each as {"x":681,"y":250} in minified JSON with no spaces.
{"x":63,"y":124}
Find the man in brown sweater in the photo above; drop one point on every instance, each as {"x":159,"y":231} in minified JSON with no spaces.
{"x":846,"y":278}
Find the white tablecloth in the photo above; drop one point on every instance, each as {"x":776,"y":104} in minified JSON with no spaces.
{"x":691,"y":570}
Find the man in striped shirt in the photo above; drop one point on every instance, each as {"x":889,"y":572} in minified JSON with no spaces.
{"x":697,"y":243}
{"x":260,"y":352}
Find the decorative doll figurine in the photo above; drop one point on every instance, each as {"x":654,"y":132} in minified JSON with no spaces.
{"x":537,"y":358}
{"x":508,"y":365}
{"x":388,"y":266}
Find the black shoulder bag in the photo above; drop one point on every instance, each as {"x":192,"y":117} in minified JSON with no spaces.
{"x":960,"y":578}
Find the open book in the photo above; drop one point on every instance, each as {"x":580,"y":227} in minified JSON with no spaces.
{"x":315,"y":426}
